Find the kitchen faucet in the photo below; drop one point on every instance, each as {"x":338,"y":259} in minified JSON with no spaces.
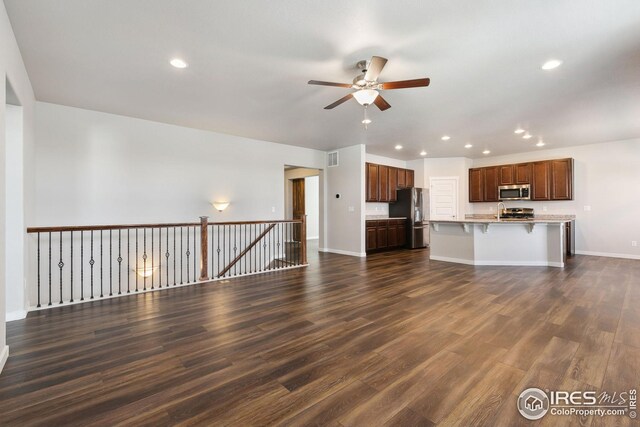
{"x":504,"y":208}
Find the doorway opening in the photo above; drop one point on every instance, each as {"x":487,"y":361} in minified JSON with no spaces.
{"x":302,"y":197}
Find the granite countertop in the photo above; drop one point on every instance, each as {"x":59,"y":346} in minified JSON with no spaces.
{"x":490,"y":219}
{"x":374,"y":217}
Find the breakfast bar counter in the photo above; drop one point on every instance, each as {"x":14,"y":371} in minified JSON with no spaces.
{"x":510,"y":242}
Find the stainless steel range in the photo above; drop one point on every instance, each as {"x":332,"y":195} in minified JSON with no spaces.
{"x":517,"y":213}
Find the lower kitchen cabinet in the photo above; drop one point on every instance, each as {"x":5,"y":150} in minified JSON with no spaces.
{"x":382,"y":234}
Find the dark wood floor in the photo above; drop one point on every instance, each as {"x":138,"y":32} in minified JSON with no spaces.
{"x":393,"y":339}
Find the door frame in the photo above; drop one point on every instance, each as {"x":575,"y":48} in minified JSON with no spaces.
{"x":456,"y":198}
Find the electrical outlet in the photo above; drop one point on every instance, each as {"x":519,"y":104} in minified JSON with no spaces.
{"x":273,"y":208}
{"x":634,"y":243}
{"x":544,"y":209}
{"x":587,"y":208}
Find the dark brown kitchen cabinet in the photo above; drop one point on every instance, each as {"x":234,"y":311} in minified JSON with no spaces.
{"x":381,"y":236}
{"x":540,"y":181}
{"x":371,"y":237}
{"x":523,"y":173}
{"x":410,"y":178}
{"x":549,"y":180}
{"x":372,"y":182}
{"x":476,"y":185}
{"x":393,"y":184}
{"x":385,"y":234}
{"x":562,"y":179}
{"x":383,"y":183}
{"x":507,"y":175}
{"x":491,"y":183}
{"x":402,"y":178}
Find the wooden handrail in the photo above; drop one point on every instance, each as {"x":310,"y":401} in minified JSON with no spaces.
{"x":247,"y":249}
{"x":55,"y":229}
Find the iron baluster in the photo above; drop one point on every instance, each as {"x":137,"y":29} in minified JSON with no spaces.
{"x":181,"y":256}
{"x":144,"y":259}
{"x":152,"y":262}
{"x":60,"y":265}
{"x":110,"y":263}
{"x":49,"y":268}
{"x":81,"y":265}
{"x":101,"y":264}
{"x":167,"y":256}
{"x":188,"y":253}
{"x":195,"y":255}
{"x":38,"y":270}
{"x":160,"y":257}
{"x":136,"y":272}
{"x":91,"y":263}
{"x":71,"y":268}
{"x":119,"y":262}
{"x":128,"y":262}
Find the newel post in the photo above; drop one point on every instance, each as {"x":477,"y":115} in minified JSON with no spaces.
{"x":303,"y":237}
{"x":204,"y":255}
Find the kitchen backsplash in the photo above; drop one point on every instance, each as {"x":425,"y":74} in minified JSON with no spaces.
{"x":376,"y":209}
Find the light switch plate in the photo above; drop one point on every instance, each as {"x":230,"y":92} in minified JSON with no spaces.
{"x":587,"y":208}
{"x":352,"y":209}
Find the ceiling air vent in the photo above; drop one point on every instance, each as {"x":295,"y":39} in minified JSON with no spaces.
{"x":332,"y":159}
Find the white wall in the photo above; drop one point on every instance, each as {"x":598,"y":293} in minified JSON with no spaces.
{"x":448,"y":167}
{"x":12,"y":69}
{"x":345,"y":215}
{"x":606,"y":178}
{"x":15,"y":247}
{"x":312,"y":206}
{"x":98,"y":168}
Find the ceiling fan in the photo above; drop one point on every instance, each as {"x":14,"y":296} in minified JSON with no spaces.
{"x":367,"y":87}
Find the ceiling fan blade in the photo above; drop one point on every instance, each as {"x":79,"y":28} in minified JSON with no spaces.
{"x":375,"y":67}
{"x":381,"y":103}
{"x":321,"y":83}
{"x":403,"y":84}
{"x":339,"y":101}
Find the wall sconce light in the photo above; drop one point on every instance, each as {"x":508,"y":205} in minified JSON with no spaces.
{"x":145,"y":272}
{"x":220,"y":206}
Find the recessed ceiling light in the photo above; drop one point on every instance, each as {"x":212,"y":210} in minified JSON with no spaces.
{"x":468,"y":146}
{"x":398,"y":147}
{"x":551,"y":64}
{"x":486,"y":152}
{"x":178,"y":63}
{"x":540,"y":144}
{"x":423,"y":153}
{"x":519,"y":131}
{"x":526,"y":136}
{"x":366,"y":121}
{"x":446,"y":138}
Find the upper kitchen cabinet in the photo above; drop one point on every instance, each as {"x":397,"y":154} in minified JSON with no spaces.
{"x":382,"y":182}
{"x":522,"y":173}
{"x":410,"y":178}
{"x":507,"y":175}
{"x":372,"y":182}
{"x":491,"y":182}
{"x":393,"y":184}
{"x":541,"y":181}
{"x":402,"y":178}
{"x":476,"y":185}
{"x":549,"y":180}
{"x":562,"y":179}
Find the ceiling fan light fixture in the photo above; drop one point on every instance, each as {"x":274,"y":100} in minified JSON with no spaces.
{"x":365,"y":96}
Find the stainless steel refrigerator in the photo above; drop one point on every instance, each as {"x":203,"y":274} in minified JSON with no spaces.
{"x":413,"y":204}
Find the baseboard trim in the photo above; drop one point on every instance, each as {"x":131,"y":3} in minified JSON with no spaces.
{"x":4,"y":355}
{"x":498,"y":263}
{"x":608,"y":254}
{"x":341,"y":252}
{"x":16,"y":315}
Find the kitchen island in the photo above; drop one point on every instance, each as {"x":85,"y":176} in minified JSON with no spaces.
{"x":509,"y":242}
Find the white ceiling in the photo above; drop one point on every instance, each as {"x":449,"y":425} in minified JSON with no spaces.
{"x":250,"y":61}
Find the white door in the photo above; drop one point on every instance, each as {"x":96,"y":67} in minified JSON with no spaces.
{"x":443,"y":197}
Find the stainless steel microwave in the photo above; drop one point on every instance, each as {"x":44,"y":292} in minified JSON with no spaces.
{"x":514,"y":192}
